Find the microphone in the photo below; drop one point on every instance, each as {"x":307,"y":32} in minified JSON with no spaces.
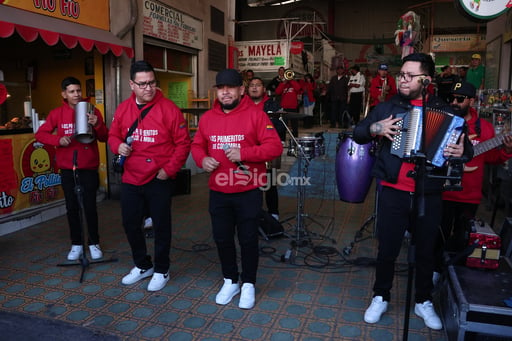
{"x":75,"y":156}
{"x":129,"y":142}
{"x":240,"y":164}
{"x":424,"y":81}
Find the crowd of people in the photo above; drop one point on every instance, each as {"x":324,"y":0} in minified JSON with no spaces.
{"x":237,"y":141}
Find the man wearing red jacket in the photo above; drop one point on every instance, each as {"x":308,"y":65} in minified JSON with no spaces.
{"x":62,"y":120}
{"x":289,"y":90}
{"x":233,"y":141}
{"x":382,"y":86}
{"x":160,"y":147}
{"x":460,"y":206}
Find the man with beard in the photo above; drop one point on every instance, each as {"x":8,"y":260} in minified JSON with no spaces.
{"x":397,"y":206}
{"x":233,"y":141}
{"x":460,"y":206}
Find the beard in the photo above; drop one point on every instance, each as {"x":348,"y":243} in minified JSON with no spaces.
{"x":413,"y":94}
{"x":459,"y":111}
{"x":230,"y":106}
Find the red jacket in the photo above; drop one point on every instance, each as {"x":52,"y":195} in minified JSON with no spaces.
{"x":246,"y":127}
{"x":376,"y":89}
{"x":62,"y":121}
{"x":472,"y":179}
{"x":289,"y":90}
{"x":308,"y":88}
{"x":161,"y":140}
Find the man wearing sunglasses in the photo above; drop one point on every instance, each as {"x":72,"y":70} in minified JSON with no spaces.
{"x":397,"y":205}
{"x":460,"y":206}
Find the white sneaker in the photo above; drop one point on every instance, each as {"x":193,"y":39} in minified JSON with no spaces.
{"x":148,"y":223}
{"x":136,"y":275}
{"x":275,"y":216}
{"x":227,"y":292}
{"x":95,"y":251}
{"x":158,"y":281}
{"x":426,"y":311}
{"x":375,"y":310}
{"x":247,"y":296}
{"x":75,"y":252}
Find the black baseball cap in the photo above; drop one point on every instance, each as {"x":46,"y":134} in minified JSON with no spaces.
{"x":463,"y":88}
{"x":228,"y":77}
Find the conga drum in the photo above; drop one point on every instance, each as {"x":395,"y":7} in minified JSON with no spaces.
{"x":354,"y":163}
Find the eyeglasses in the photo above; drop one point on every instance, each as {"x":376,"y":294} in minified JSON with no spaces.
{"x":408,"y":77}
{"x":459,"y":99}
{"x":145,"y":84}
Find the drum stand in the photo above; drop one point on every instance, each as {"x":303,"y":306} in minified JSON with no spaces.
{"x":302,"y":237}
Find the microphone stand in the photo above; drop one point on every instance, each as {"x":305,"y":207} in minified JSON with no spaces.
{"x":418,"y":206}
{"x":78,"y":189}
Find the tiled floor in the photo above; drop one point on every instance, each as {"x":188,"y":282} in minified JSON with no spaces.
{"x":320,"y":295}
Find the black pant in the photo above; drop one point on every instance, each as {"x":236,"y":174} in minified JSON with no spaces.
{"x":355,"y":106}
{"x":336,"y":113}
{"x":89,"y":182}
{"x":156,"y":194}
{"x":396,"y":213}
{"x":237,"y":213}
{"x":271,"y":194}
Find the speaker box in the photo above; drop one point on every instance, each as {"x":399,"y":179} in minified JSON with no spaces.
{"x":506,"y":238}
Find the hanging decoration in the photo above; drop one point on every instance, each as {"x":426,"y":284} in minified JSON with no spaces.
{"x":407,"y":33}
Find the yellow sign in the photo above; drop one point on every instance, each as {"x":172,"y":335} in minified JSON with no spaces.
{"x":29,"y":174}
{"x":458,"y":43}
{"x":93,"y":13}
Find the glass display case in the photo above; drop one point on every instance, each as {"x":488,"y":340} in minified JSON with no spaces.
{"x":496,"y":106}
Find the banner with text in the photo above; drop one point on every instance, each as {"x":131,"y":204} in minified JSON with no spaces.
{"x":458,"y":43}
{"x":166,"y":23}
{"x":262,"y":55}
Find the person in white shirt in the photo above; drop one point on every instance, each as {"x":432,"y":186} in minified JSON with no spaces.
{"x":356,"y":89}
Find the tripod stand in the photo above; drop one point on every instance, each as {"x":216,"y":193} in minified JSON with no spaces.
{"x":78,"y":189}
{"x":302,"y":237}
{"x":358,"y":237}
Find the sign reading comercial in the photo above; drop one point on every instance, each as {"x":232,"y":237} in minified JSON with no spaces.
{"x":262,"y":55}
{"x":166,"y":23}
{"x":458,"y":42}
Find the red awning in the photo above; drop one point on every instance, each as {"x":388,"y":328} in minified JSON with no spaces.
{"x":29,"y":34}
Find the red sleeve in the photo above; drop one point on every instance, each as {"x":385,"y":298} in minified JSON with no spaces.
{"x":100,"y":129}
{"x":199,"y":146}
{"x":181,"y":140}
{"x":280,"y":88}
{"x":45,"y":133}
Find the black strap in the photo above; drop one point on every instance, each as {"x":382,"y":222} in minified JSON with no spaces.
{"x":134,"y":125}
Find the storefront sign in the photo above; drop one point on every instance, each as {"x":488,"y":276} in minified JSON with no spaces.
{"x":458,"y":43}
{"x":29,"y":174}
{"x":262,"y":55}
{"x":485,"y":9}
{"x":166,"y":23}
{"x":94,"y":13}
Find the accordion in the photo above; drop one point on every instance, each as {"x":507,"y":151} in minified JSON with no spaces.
{"x":442,"y":128}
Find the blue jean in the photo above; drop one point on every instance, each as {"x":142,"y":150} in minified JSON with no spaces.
{"x":237,"y":213}
{"x":155,"y":195}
